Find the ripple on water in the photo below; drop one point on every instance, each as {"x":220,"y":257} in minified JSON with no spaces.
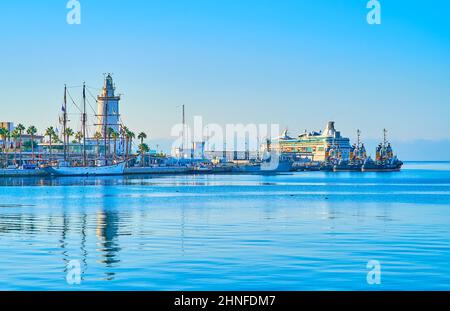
{"x":295,"y":232}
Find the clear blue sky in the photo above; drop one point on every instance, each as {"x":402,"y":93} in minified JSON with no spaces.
{"x":296,"y":63}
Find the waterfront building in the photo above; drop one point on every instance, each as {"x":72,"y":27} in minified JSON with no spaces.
{"x":196,"y":152}
{"x":26,"y":140}
{"x":230,"y":156}
{"x":313,"y":145}
{"x":7,"y":125}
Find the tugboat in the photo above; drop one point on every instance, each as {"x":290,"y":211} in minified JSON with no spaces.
{"x":385,"y":160}
{"x":356,"y":160}
{"x":332,"y":157}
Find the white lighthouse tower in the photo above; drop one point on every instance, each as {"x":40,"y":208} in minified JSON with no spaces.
{"x":108,"y":108}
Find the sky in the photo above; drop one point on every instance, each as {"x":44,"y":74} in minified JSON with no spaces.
{"x":295,"y":63}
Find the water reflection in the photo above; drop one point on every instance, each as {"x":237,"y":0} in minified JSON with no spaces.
{"x":63,"y":242}
{"x":107,"y":234}
{"x":161,"y":233}
{"x":408,"y":176}
{"x":69,"y":224}
{"x":84,"y":252}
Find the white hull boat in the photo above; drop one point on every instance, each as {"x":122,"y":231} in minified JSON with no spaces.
{"x":116,"y":169}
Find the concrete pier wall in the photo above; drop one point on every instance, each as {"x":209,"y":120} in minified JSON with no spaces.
{"x":21,"y":173}
{"x":156,"y":170}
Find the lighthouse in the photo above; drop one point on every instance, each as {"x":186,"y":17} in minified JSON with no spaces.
{"x":108,"y":107}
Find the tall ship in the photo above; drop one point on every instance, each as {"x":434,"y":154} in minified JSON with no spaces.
{"x":385,"y":160}
{"x":96,"y":170}
{"x":108,"y":123}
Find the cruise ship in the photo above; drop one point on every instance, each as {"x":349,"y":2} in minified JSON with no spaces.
{"x":313,"y":145}
{"x":328,"y":150}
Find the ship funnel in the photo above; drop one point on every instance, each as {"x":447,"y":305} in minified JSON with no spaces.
{"x":329,"y":129}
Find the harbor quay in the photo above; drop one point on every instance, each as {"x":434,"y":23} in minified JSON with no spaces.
{"x":109,"y":147}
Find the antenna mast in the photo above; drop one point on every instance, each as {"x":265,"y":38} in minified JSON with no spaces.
{"x":105,"y":122}
{"x":184,"y":126}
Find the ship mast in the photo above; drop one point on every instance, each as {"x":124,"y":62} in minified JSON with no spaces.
{"x":65,"y":123}
{"x":358,"y":143}
{"x":84,"y":125}
{"x":384,"y":137}
{"x":257,"y":147}
{"x":106,"y":122}
{"x":224,"y":152}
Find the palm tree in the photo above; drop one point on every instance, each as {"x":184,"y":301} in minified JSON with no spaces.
{"x":143,"y":148}
{"x":15,"y":136}
{"x":32,"y":131}
{"x":97,"y":137}
{"x":20,"y":129}
{"x":130,"y":135}
{"x":50,"y":132}
{"x":142,"y":136}
{"x":123,"y":133}
{"x":115,"y":136}
{"x":56,"y":139}
{"x":69,"y":132}
{"x":4,"y":133}
{"x":79,"y":137}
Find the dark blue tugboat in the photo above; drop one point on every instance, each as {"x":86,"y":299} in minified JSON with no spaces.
{"x":385,"y":160}
{"x":356,"y":160}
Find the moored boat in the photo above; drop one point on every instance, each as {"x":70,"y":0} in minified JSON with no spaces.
{"x":385,"y":160}
{"x":266,"y":166}
{"x":348,"y":166}
{"x":115,"y":169}
{"x":356,"y":159}
{"x":326,"y":167}
{"x":85,"y":166}
{"x":391,"y":165}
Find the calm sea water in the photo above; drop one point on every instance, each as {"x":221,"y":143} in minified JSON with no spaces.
{"x":302,"y":231}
